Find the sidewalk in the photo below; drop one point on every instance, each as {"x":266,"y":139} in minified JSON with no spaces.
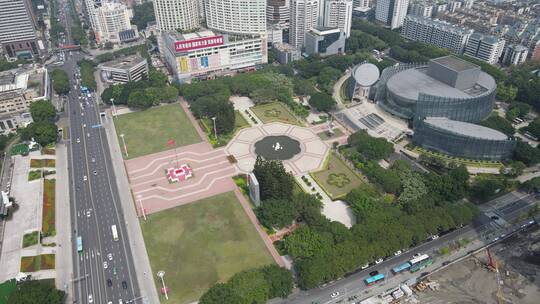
{"x":145,"y":277}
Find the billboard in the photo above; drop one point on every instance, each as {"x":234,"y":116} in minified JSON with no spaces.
{"x":194,"y":44}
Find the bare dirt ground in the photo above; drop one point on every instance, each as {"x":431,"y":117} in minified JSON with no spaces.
{"x":470,"y":281}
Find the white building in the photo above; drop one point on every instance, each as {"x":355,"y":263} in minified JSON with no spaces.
{"x":113,"y":23}
{"x":172,"y":15}
{"x":206,"y":54}
{"x":515,"y":54}
{"x":362,"y":4}
{"x":274,"y":33}
{"x":421,"y":9}
{"x":17,"y":33}
{"x":304,"y":16}
{"x":453,"y":6}
{"x":126,"y":69}
{"x":436,"y":32}
{"x":236,"y":17}
{"x":338,"y":13}
{"x":485,"y":47}
{"x":90,"y":7}
{"x":278,"y":12}
{"x":391,"y":12}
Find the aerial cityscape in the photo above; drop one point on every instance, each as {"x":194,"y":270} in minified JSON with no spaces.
{"x":269,"y":151}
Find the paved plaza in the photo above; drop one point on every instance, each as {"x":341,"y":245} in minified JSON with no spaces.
{"x":311,"y":157}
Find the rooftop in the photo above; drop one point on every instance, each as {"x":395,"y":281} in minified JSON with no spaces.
{"x":366,"y":74}
{"x":465,"y":128}
{"x":411,"y":82}
{"x":125,"y":62}
{"x":455,"y":63}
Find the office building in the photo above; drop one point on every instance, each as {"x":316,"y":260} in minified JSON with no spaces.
{"x":114,"y":24}
{"x":172,"y":15}
{"x":435,"y":32}
{"x":485,"y":47}
{"x":338,"y":13}
{"x":130,"y":68}
{"x":278,"y":12}
{"x":421,"y":9}
{"x":303,"y":17}
{"x":206,"y":54}
{"x":453,"y":6}
{"x":17,"y":33}
{"x":286,"y":53}
{"x":325,"y":41}
{"x":363,"y":77}
{"x":515,"y":54}
{"x":391,"y":12}
{"x":362,"y":3}
{"x":468,"y":4}
{"x":236,"y":17}
{"x":90,"y":7}
{"x":274,"y":33}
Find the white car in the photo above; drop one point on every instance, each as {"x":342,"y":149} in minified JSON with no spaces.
{"x":334,"y":294}
{"x":78,"y":140}
{"x":105,"y":265}
{"x":88,"y":213}
{"x":93,"y":160}
{"x":90,"y":299}
{"x":95,"y":172}
{"x":109,"y":256}
{"x":365,"y":266}
{"x":378,"y":261}
{"x":434,"y":237}
{"x":397,"y":253}
{"x":85,"y":178}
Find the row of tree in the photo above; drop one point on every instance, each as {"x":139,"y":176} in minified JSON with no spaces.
{"x":87,"y":74}
{"x":36,"y":292}
{"x":60,"y":81}
{"x":43,"y":129}
{"x":252,"y":286}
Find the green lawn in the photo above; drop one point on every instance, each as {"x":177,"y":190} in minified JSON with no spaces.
{"x":275,"y":111}
{"x":148,"y":131}
{"x":207,"y":125}
{"x":337,"y":179}
{"x":30,"y":239}
{"x":200,"y":244}
{"x":37,"y":263}
{"x":7,"y":288}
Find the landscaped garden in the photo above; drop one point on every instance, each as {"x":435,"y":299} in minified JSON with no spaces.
{"x":30,"y":239}
{"x":148,"y":131}
{"x":337,"y":179}
{"x":223,"y":139}
{"x":44,"y":162}
{"x":325,"y":136}
{"x":37,"y":263}
{"x":202,"y":243}
{"x":275,"y":111}
{"x":47,"y":226}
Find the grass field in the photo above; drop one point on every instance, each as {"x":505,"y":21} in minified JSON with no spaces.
{"x":40,"y":163}
{"x":337,"y":179}
{"x":207,"y":125}
{"x":37,"y":263}
{"x":148,"y":131}
{"x":30,"y":239}
{"x":47,"y":226}
{"x":20,"y":149}
{"x":202,"y":243}
{"x":6,"y":289}
{"x":275,"y":111}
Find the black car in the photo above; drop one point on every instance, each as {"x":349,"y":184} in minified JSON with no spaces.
{"x":109,"y":282}
{"x":494,"y":217}
{"x":445,"y":263}
{"x":374,"y":273}
{"x":124,"y":284}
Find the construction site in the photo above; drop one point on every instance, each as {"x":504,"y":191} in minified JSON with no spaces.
{"x":507,"y":272}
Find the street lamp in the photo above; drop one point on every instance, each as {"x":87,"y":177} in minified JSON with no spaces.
{"x":215,"y":132}
{"x":139,"y":197}
{"x":124,"y":142}
{"x":161,"y":274}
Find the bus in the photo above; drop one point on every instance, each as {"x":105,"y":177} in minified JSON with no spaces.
{"x":401,"y":267}
{"x":420,"y":262}
{"x":374,"y":279}
{"x":79,"y":244}
{"x":114,"y":233}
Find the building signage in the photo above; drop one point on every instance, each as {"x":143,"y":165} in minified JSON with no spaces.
{"x":188,"y":45}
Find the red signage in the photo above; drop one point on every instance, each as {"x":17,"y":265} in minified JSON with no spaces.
{"x":188,"y":45}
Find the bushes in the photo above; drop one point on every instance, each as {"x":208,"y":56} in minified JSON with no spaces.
{"x":370,"y":147}
{"x":322,"y":102}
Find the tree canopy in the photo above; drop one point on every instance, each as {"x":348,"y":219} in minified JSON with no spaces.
{"x":36,"y":292}
{"x":371,"y":147}
{"x":43,"y":110}
{"x":322,"y":102}
{"x":274,"y":181}
{"x":60,"y":81}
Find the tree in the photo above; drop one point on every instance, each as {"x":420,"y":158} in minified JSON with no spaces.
{"x":276,"y":213}
{"x":60,"y":81}
{"x":250,"y":285}
{"x":483,"y":188}
{"x":305,"y":242}
{"x":533,"y":128}
{"x":280,"y":281}
{"x":42,"y":111}
{"x":220,"y":293}
{"x":138,"y":99}
{"x":526,"y":154}
{"x":506,"y":93}
{"x":371,"y":147}
{"x":43,"y":132}
{"x":322,"y":102}
{"x":36,"y":292}
{"x":108,"y":45}
{"x":143,"y":14}
{"x":157,"y":78}
{"x":494,"y":121}
{"x":274,"y":181}
{"x":303,"y":87}
{"x":517,"y":109}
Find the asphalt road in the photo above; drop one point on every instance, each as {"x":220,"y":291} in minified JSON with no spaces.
{"x":483,"y":228}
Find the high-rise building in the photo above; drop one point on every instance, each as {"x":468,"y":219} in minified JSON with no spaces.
{"x":515,"y":54}
{"x":468,"y":3}
{"x":338,"y":13}
{"x":90,"y":7}
{"x":278,"y":12}
{"x":17,"y":34}
{"x":391,"y":12}
{"x":304,"y":16}
{"x":113,"y":23}
{"x":422,"y":9}
{"x":177,"y":14}
{"x":436,"y":32}
{"x":485,"y":47}
{"x":236,"y":16}
{"x":362,"y":3}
